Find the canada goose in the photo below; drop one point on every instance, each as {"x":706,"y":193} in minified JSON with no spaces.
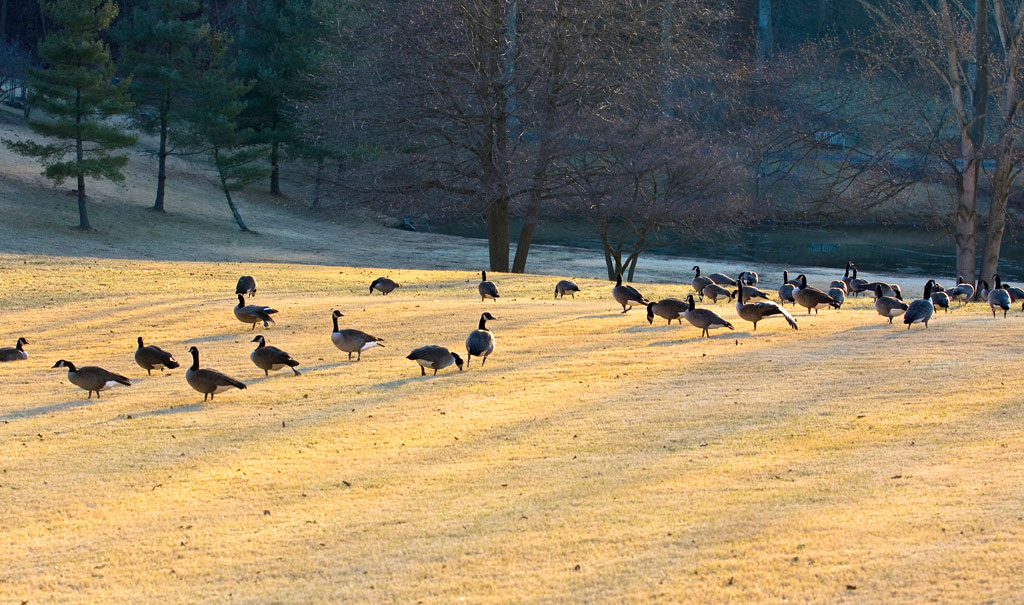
{"x":793,"y":282}
{"x":246,"y":285}
{"x":434,"y":357}
{"x":874,"y":287}
{"x":385,"y":285}
{"x":714,"y":292}
{"x":207,"y":381}
{"x":149,"y":357}
{"x":705,"y":319}
{"x":941,"y":299}
{"x":1015,"y":292}
{"x":755,"y":312}
{"x":15,"y":353}
{"x":271,"y":358}
{"x":856,"y":284}
{"x":627,"y":296}
{"x":812,"y":298}
{"x":889,"y":307}
{"x":751,"y":293}
{"x":92,"y":378}
{"x":352,"y":341}
{"x":998,"y":297}
{"x":486,"y":288}
{"x":750,"y":278}
{"x":786,"y":289}
{"x":839,"y":284}
{"x":480,"y":342}
{"x":982,"y":289}
{"x":838,"y":295}
{"x":962,"y":290}
{"x":717,"y":278}
{"x":666,"y":308}
{"x":253,"y":314}
{"x":699,"y":281}
{"x":564,"y":287}
{"x":846,"y":275}
{"x":922,"y":309}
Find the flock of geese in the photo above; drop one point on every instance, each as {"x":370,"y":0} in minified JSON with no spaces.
{"x":752,"y":305}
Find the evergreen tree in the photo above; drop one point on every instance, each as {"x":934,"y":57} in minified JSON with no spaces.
{"x":212,"y":120}
{"x":160,"y":43}
{"x":77,"y":92}
{"x":278,"y":52}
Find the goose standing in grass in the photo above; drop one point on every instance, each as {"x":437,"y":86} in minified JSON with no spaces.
{"x":253,"y":314}
{"x":1015,"y":292}
{"x":666,"y":308}
{"x":715,"y":292}
{"x":998,"y":297}
{"x":352,"y":341}
{"x":812,"y":298}
{"x":922,"y":309}
{"x":207,"y":381}
{"x":983,"y":289}
{"x":699,"y":281}
{"x":962,"y":291}
{"x":385,"y":285}
{"x":752,"y":293}
{"x":719,"y":278}
{"x":846,"y":275}
{"x":856,"y":284}
{"x":627,"y":296}
{"x":434,"y":357}
{"x":756,"y":311}
{"x":271,"y":358}
{"x":486,"y":288}
{"x":480,"y":342}
{"x":786,"y":290}
{"x":15,"y":353}
{"x":564,"y":287}
{"x":151,"y":356}
{"x":875,"y":286}
{"x":889,"y":307}
{"x":246,"y":285}
{"x":91,"y":378}
{"x":705,"y":319}
{"x":838,"y":295}
{"x":940,"y":299}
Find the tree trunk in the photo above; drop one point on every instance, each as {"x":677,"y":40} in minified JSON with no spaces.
{"x":83,"y":212}
{"x":3,"y":20}
{"x":526,"y":237}
{"x":275,"y":170}
{"x":497,"y":234}
{"x":319,"y":183}
{"x":161,"y":171}
{"x":1001,"y":183}
{"x":764,"y":38}
{"x":227,"y":193}
{"x":631,"y":261}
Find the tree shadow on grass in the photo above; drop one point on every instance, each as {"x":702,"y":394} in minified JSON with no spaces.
{"x":174,"y":409}
{"x":45,"y":409}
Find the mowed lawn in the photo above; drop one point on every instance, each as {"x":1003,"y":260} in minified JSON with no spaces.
{"x":593,"y":458}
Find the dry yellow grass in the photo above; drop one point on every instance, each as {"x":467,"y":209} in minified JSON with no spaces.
{"x":594,"y":457}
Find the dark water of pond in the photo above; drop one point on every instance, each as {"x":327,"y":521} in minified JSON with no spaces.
{"x":892,"y":249}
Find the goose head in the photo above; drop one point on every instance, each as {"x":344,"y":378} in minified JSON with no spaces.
{"x":63,"y":363}
{"x":697,"y":269}
{"x":618,"y":279}
{"x":483,"y":276}
{"x":650,"y":313}
{"x":689,"y":301}
{"x":22,"y":341}
{"x":458,"y":360}
{"x":259,"y":338}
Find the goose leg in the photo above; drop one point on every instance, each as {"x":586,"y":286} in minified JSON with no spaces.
{"x":483,"y":361}
{"x":266,"y":373}
{"x":435,"y":372}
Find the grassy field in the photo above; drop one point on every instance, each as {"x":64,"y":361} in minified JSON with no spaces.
{"x":594,"y":457}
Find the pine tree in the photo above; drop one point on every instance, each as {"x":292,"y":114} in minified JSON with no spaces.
{"x":212,"y":120}
{"x":278,"y":52}
{"x":77,"y":92}
{"x":160,"y":43}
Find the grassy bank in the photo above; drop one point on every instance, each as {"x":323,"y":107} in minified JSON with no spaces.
{"x":594,"y":457}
